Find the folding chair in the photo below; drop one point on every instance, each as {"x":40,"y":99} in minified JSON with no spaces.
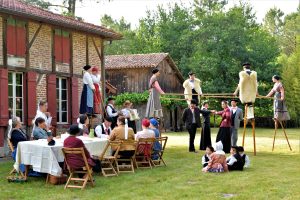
{"x":86,"y":171}
{"x":108,"y":161}
{"x":127,"y":164}
{"x":163,"y":142}
{"x":143,"y":154}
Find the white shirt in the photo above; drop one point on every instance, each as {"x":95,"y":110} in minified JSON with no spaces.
{"x":203,"y":159}
{"x":233,"y":109}
{"x":96,"y":78}
{"x":231,"y":160}
{"x":192,"y":84}
{"x":146,"y":133}
{"x":126,"y":112}
{"x":87,"y":79}
{"x":109,"y":111}
{"x":98,"y":131}
{"x":247,"y":161}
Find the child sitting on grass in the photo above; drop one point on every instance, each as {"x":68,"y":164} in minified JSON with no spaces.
{"x":234,"y":161}
{"x":245,"y":158}
{"x":209,"y":150}
{"x":218,"y":160}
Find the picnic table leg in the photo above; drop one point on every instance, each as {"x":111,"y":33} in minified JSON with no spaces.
{"x":26,"y":171}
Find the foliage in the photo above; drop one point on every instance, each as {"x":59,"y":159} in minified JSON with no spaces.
{"x":141,"y":98}
{"x":291,"y":80}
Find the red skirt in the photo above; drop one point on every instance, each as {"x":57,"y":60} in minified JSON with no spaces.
{"x":97,"y":100}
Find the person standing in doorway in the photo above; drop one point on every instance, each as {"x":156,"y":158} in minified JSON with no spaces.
{"x":191,"y":118}
{"x":236,"y":117}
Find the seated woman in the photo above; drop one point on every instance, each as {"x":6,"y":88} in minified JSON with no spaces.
{"x":41,"y":130}
{"x":118,"y":134}
{"x":76,"y":161}
{"x":83,"y":123}
{"x":235,"y":161}
{"x":146,"y":132}
{"x":17,"y":135}
{"x":156,"y":146}
{"x":218,"y":160}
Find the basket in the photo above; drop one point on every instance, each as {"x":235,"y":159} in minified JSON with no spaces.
{"x":57,"y":180}
{"x":16,"y":179}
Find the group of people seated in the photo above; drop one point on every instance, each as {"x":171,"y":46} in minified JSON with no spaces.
{"x":215,"y":159}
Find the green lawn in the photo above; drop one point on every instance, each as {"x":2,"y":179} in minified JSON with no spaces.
{"x":272,"y":175}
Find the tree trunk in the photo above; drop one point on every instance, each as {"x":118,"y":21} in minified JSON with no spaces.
{"x":71,"y":7}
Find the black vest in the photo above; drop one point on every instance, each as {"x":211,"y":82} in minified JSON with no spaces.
{"x":232,"y":118}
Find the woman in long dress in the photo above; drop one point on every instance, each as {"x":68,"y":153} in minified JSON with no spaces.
{"x":224,"y":131}
{"x":97,"y":95}
{"x":280,"y":109}
{"x":205,"y":140}
{"x":154,"y":109}
{"x":87,"y":95}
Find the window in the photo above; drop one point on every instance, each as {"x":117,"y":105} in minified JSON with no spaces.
{"x":62,"y":100}
{"x":62,"y":46}
{"x":15,"y":94}
{"x":16,"y":37}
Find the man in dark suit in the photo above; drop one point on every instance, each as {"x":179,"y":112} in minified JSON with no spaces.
{"x":236,"y":117}
{"x":191,"y":118}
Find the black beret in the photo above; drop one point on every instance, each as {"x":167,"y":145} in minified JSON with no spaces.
{"x":87,"y":67}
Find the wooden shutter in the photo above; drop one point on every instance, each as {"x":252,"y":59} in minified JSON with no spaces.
{"x":58,"y":46}
{"x":21,"y":38}
{"x":66,"y":47}
{"x":30,"y":103}
{"x":51,"y":96}
{"x":4,"y":115}
{"x":11,"y":37}
{"x":74,"y":99}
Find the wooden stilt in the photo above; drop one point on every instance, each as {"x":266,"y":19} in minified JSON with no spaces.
{"x":245,"y":123}
{"x":286,"y":137}
{"x":276,"y":126}
{"x":253,"y":129}
{"x":284,"y":132}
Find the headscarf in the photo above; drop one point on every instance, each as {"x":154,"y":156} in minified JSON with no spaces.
{"x":219,"y":148}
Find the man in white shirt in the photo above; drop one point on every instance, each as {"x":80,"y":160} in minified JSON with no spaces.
{"x":103,"y":130}
{"x":42,"y":113}
{"x":192,"y":88}
{"x":146,"y":132}
{"x":112,"y":111}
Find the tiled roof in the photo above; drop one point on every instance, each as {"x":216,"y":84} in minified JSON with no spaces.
{"x":134,"y":60}
{"x":139,"y":61}
{"x":22,"y":9}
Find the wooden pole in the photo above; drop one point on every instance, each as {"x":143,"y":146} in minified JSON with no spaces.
{"x":245,"y":123}
{"x":276,"y":126}
{"x":285,"y":135}
{"x":253,"y":135}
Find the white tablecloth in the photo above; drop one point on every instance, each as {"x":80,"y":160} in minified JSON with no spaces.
{"x":45,"y":159}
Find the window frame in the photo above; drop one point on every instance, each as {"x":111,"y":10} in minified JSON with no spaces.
{"x":59,"y":99}
{"x":14,"y":84}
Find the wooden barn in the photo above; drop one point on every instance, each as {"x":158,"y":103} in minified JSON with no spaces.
{"x":41,"y":58}
{"x":131,"y":73}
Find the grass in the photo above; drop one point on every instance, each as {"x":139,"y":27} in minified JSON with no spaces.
{"x":272,"y":175}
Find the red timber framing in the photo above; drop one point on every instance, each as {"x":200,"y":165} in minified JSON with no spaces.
{"x":30,"y":97}
{"x":51,"y":97}
{"x":4,"y":115}
{"x":74,"y":100}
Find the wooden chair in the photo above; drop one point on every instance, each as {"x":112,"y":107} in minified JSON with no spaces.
{"x":11,"y":148}
{"x":143,"y":154}
{"x":127,"y":164}
{"x":86,"y":171}
{"x":160,"y":160}
{"x":108,"y":161}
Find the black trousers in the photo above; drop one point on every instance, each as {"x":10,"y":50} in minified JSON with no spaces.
{"x":192,"y":131}
{"x":195,"y":97}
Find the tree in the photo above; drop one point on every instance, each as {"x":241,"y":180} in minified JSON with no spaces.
{"x":69,"y":6}
{"x":273,"y":22}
